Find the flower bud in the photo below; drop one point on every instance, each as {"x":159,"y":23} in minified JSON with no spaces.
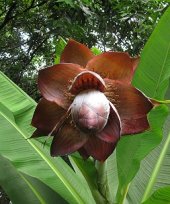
{"x":90,"y":111}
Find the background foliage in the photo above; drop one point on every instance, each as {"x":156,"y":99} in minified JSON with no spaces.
{"x":30,"y":29}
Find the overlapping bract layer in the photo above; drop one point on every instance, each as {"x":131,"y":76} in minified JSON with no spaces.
{"x":88,"y":102}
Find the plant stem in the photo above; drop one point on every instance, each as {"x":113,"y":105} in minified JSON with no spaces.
{"x":100,"y":166}
{"x":99,"y":199}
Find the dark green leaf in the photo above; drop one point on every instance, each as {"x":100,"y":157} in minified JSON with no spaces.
{"x":33,"y":191}
{"x":28,"y":155}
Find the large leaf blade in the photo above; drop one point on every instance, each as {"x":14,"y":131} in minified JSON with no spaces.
{"x":132,"y":149}
{"x":152,"y":75}
{"x":25,"y":155}
{"x":29,"y":156}
{"x":161,"y":196}
{"x":156,"y":55}
{"x":154,"y":171}
{"x":16,"y":184}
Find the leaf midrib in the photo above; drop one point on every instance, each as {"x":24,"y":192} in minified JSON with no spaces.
{"x":36,"y":193}
{"x":50,"y":164}
{"x":156,"y":169}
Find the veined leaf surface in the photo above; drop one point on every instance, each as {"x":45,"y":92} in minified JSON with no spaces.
{"x":152,"y":77}
{"x":154,"y":172}
{"x":28,"y":155}
{"x":32,"y":190}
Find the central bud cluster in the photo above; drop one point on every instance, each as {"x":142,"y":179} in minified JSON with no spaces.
{"x":90,"y":111}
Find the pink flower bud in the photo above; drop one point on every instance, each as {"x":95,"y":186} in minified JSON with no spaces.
{"x":90,"y":111}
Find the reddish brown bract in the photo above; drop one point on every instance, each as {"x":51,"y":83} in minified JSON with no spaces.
{"x":89,"y":102}
{"x":87,"y":80}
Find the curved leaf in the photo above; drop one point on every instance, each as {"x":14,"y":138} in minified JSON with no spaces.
{"x":161,"y":196}
{"x":154,"y":172}
{"x":16,"y":184}
{"x":28,"y":155}
{"x":152,"y":75}
{"x":132,"y":149}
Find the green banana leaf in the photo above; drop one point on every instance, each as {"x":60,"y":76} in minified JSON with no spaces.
{"x":161,"y":196}
{"x":60,"y":45}
{"x":32,"y":190}
{"x":167,"y":96}
{"x":132,"y":149}
{"x":154,"y":172}
{"x":152,"y":77}
{"x":28,"y":155}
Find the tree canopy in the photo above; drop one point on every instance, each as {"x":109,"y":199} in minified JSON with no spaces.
{"x":30,"y":30}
